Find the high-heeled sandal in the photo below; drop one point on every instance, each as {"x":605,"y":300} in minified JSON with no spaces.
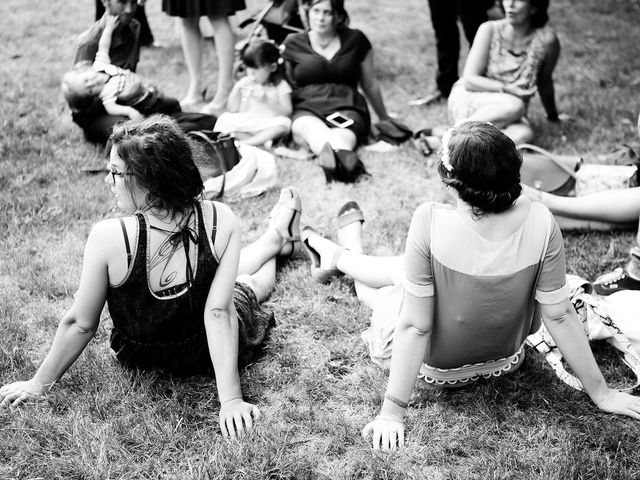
{"x":327,"y":161}
{"x":217,"y":106}
{"x":290,"y":199}
{"x":349,"y":213}
{"x":322,"y":275}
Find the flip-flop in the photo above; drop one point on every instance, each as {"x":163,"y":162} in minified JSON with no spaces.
{"x":349,"y":213}
{"x":290,"y":198}
{"x":322,"y":275}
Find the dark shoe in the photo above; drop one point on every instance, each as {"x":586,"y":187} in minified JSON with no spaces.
{"x":289,"y":202}
{"x":348,"y":166}
{"x":322,"y":275}
{"x":421,"y":141}
{"x":327,"y":161}
{"x":614,"y":282}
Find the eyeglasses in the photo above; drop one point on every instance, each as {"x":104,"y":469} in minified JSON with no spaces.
{"x":115,"y":173}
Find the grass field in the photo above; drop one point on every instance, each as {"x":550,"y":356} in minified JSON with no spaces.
{"x":315,"y":384}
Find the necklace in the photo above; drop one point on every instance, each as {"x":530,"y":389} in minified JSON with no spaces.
{"x":325,"y":45}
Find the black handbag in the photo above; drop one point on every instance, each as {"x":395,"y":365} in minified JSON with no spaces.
{"x":220,"y":154}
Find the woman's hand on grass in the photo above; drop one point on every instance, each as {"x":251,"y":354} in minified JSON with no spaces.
{"x":236,"y":416}
{"x":14,"y":394}
{"x":387,"y":432}
{"x":620,"y":403}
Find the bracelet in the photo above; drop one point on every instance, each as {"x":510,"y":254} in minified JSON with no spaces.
{"x":395,"y":400}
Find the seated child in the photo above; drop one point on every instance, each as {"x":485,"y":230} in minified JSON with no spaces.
{"x":259,"y":104}
{"x":120,"y":91}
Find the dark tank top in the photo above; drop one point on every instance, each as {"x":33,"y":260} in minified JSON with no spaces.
{"x":163,"y":330}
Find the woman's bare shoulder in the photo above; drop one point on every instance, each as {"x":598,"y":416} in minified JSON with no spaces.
{"x":105,"y":233}
{"x":549,"y":36}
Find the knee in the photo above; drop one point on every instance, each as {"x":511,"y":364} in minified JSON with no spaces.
{"x":514,"y":107}
{"x":280,"y":130}
{"x":304,"y":132}
{"x":519,"y":133}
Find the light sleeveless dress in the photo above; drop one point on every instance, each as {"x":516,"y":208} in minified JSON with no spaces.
{"x":516,"y":68}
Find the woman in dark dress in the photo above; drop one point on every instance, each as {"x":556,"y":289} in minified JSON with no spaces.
{"x":181,"y":294}
{"x":218,"y":11}
{"x":325,"y":66}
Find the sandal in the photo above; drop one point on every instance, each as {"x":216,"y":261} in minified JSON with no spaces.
{"x":322,"y":275}
{"x":290,"y":199}
{"x":421,"y":141}
{"x":349,"y":213}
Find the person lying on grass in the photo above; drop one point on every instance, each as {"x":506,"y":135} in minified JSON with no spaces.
{"x":121,"y":91}
{"x":599,"y":207}
{"x":181,"y":294}
{"x":620,"y":206}
{"x":461,"y":302}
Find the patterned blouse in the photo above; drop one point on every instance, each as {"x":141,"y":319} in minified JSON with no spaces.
{"x":517,"y":68}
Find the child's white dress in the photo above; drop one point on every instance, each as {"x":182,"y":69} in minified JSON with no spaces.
{"x":256,"y":111}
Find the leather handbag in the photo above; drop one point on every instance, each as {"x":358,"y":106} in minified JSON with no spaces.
{"x":547,"y":171}
{"x":221,"y":154}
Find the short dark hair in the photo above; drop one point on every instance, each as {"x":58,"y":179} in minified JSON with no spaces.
{"x":485,"y":167}
{"x":263,"y":53}
{"x":339,"y":12}
{"x":158,"y":155}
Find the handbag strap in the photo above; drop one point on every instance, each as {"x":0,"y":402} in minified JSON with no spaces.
{"x":549,"y":155}
{"x":223,"y":167}
{"x":552,"y":355}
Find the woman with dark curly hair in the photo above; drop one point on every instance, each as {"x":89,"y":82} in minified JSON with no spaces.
{"x":461,"y":302}
{"x":181,"y":294}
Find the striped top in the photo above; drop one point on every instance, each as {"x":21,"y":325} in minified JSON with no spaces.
{"x":485,"y":290}
{"x":123,"y":86}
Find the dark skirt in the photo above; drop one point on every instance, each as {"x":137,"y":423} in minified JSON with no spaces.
{"x":202,"y":8}
{"x":190,"y":356}
{"x":323,"y":99}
